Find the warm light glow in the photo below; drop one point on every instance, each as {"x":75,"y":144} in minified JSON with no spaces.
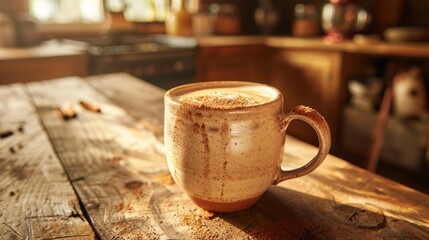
{"x":115,"y":5}
{"x":91,"y":10}
{"x":67,"y":11}
{"x":42,"y":10}
{"x":140,"y":11}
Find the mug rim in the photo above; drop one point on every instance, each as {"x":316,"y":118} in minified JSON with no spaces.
{"x":169,"y":95}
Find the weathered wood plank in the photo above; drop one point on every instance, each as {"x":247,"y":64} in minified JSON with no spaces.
{"x":338,"y":200}
{"x":36,"y":199}
{"x":350,"y":198}
{"x":141,"y":100}
{"x":118,"y":168}
{"x":109,"y":157}
{"x":134,"y":95}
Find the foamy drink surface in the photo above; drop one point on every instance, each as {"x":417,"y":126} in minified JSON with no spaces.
{"x":228,"y":97}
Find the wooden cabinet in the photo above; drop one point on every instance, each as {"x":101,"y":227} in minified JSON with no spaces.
{"x":309,"y":78}
{"x":314,"y":78}
{"x":238,"y":62}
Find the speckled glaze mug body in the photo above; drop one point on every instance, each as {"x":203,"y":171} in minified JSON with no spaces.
{"x":226,"y":157}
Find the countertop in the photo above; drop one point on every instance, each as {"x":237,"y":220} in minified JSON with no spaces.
{"x":417,"y":49}
{"x":46,"y":50}
{"x":104,"y":175}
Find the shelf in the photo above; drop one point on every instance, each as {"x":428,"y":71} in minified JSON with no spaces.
{"x":380,"y":48}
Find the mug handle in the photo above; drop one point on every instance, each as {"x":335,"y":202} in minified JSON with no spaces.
{"x":319,"y":124}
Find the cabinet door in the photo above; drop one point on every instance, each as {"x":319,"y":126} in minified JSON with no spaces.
{"x":310,"y":78}
{"x":240,"y":63}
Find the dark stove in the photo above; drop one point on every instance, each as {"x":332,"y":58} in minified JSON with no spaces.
{"x":165,"y":61}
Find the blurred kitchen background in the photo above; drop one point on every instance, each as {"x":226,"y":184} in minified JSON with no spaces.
{"x":362,"y":64}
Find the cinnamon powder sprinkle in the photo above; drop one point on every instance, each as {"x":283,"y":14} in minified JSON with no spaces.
{"x":6,"y":134}
{"x":166,"y":179}
{"x":222,"y":100}
{"x":199,"y":228}
{"x":123,"y":206}
{"x":206,"y":214}
{"x":282,"y":229}
{"x":136,"y":187}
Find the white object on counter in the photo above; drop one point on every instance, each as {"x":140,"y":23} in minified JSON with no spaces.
{"x":409,"y":93}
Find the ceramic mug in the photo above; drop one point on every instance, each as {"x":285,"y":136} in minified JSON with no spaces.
{"x":225,"y":141}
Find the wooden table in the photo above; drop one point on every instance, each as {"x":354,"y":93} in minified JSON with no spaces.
{"x":104,"y":175}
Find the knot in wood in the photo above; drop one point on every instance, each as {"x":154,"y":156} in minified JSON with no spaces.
{"x":363,"y":218}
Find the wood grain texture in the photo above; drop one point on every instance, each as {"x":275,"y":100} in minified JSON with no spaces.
{"x":117,"y":165}
{"x":112,"y":161}
{"x":143,"y":101}
{"x":36,"y":199}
